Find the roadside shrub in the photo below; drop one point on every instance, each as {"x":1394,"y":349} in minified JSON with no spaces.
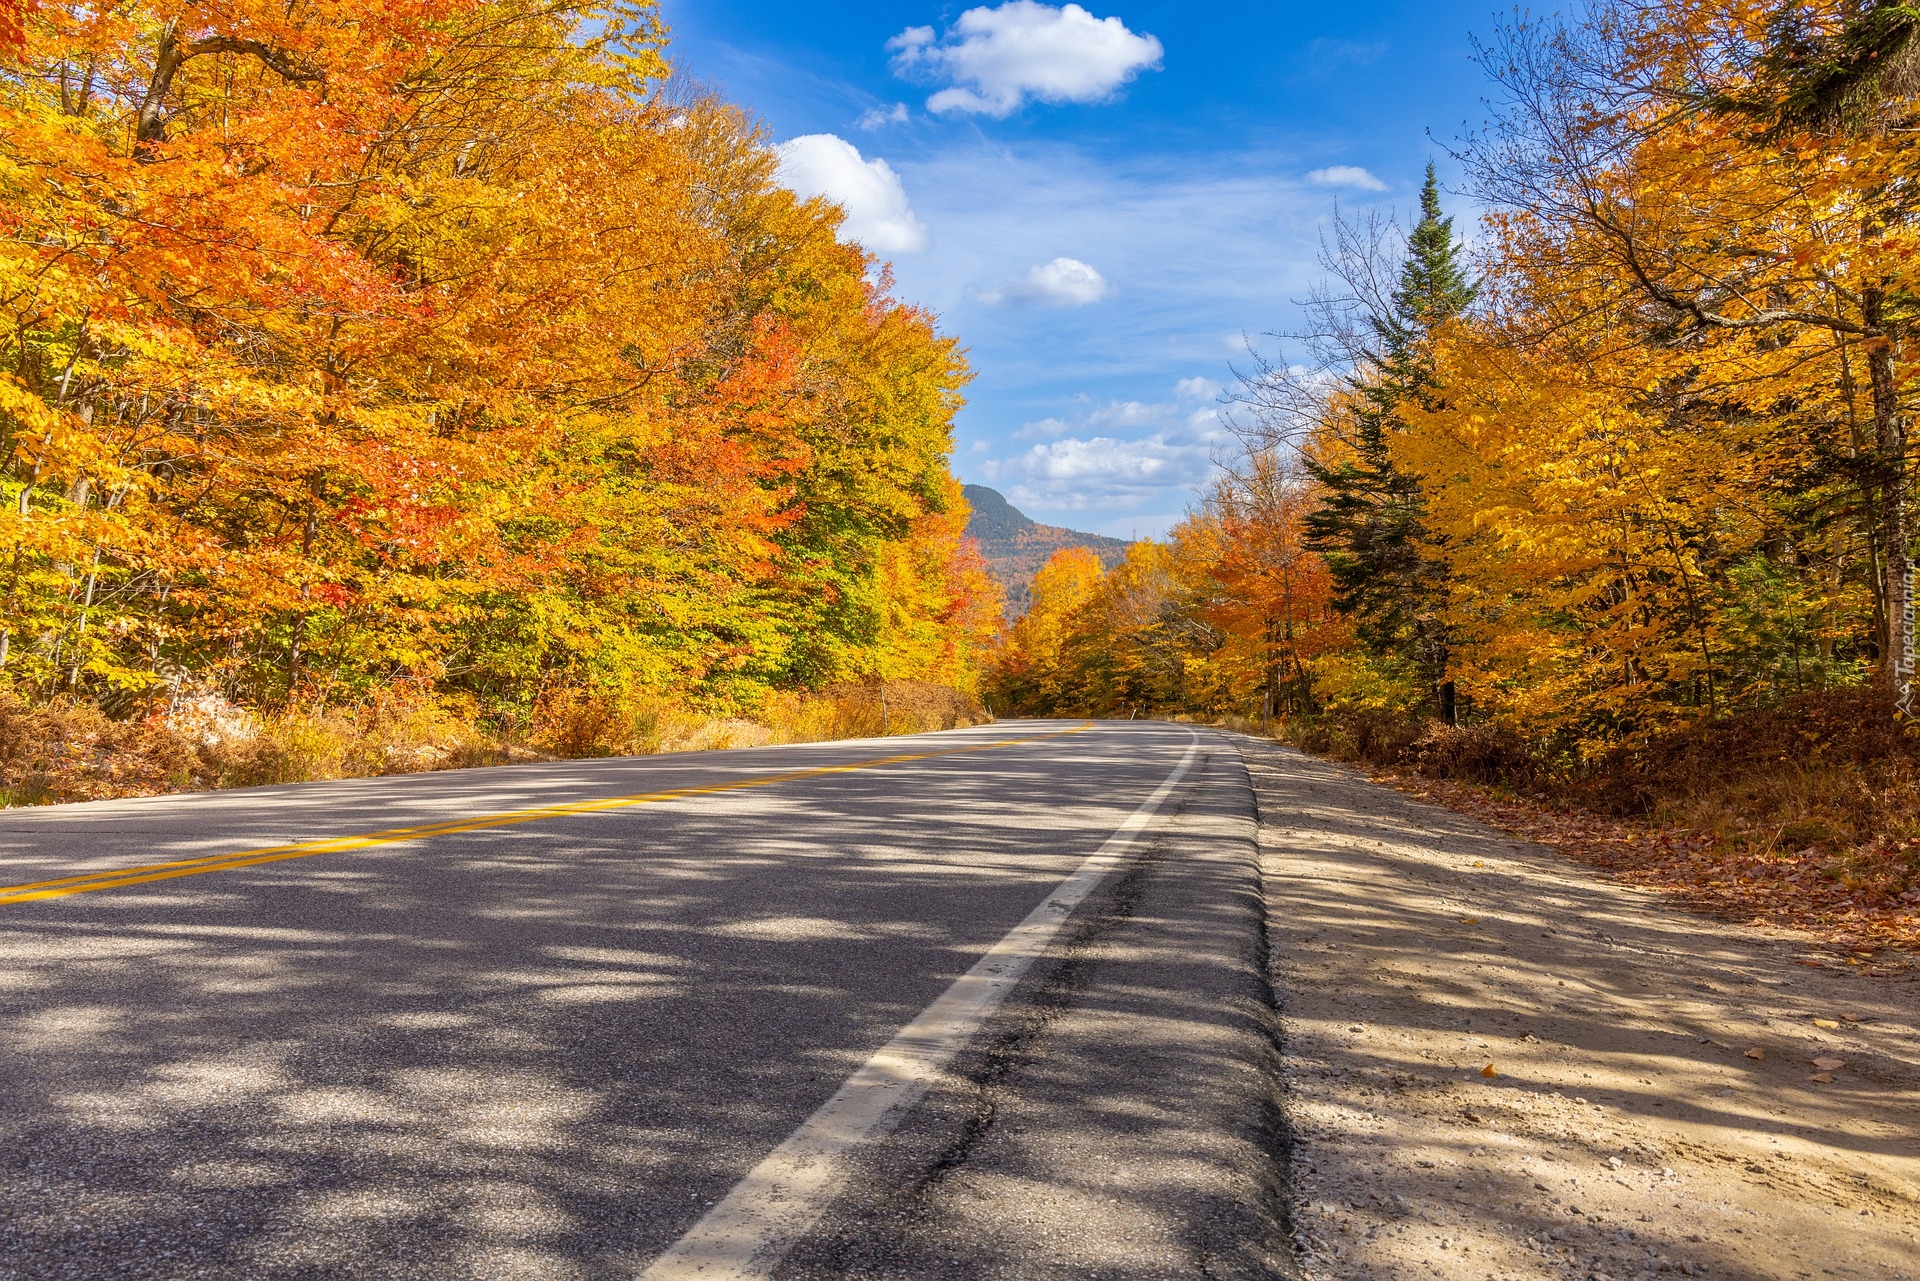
{"x":73,"y":751}
{"x":1377,"y":738}
{"x":1473,"y":753}
{"x":854,"y":709}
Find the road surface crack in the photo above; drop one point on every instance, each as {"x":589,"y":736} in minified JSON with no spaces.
{"x":998,"y":1062}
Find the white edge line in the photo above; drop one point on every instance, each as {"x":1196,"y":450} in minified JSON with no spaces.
{"x":749,"y":1230}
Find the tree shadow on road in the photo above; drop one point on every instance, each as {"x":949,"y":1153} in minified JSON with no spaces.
{"x":535,"y":1051}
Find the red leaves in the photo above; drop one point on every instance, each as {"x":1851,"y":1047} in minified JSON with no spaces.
{"x":13,"y":27}
{"x":378,"y":375}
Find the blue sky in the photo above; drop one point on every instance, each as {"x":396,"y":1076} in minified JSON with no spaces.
{"x":1103,"y":203}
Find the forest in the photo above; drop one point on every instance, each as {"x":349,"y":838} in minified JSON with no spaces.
{"x":434,"y":376}
{"x":394,"y":386}
{"x":1612,"y":506}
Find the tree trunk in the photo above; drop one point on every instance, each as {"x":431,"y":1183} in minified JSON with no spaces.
{"x":150,"y":124}
{"x":296,"y":645}
{"x":1890,"y":432}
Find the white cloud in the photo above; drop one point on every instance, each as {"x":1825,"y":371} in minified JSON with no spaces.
{"x":1185,"y":305}
{"x":1099,"y":472}
{"x":1121,"y":415}
{"x":1098,"y":468}
{"x":1043,"y":428}
{"x":1064,"y":282}
{"x":1346,"y":176}
{"x":1126,"y":413}
{"x":1197,"y":389}
{"x":879,"y":117}
{"x":878,"y":215}
{"x":995,"y":60}
{"x":1248,"y":241}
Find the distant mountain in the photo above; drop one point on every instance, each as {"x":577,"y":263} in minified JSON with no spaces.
{"x":1016,"y":546}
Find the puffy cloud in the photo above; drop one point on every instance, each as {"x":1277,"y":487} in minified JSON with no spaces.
{"x":1197,"y":389}
{"x":1099,"y":472}
{"x":878,"y":215}
{"x":995,"y":60}
{"x":1126,"y":413}
{"x":1098,"y":468}
{"x":1346,"y":176}
{"x":1186,"y":304}
{"x":879,"y":117}
{"x":1064,"y":282}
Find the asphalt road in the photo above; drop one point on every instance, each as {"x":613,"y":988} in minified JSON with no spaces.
{"x":552,"y":1017}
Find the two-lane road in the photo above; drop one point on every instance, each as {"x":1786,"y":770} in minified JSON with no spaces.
{"x":530,"y":1021}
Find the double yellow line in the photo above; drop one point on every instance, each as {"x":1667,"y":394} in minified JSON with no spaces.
{"x":114,"y":879}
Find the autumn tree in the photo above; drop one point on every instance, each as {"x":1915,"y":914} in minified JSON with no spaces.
{"x":1262,"y":587}
{"x":444,"y":345}
{"x":1741,"y":175}
{"x":1031,"y":673}
{"x":1650,"y":468}
{"x":1370,"y":526}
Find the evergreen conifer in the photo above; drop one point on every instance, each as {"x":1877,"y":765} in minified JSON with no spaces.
{"x":1370,"y":526}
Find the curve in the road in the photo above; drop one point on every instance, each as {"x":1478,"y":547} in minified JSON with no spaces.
{"x":552,"y":1048}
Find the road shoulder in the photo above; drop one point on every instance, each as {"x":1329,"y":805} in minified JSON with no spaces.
{"x":1652,"y":1105}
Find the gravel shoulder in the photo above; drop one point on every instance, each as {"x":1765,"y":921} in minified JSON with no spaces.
{"x":1501,"y":1064}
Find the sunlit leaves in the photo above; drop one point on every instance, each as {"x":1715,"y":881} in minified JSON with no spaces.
{"x":348,"y":343}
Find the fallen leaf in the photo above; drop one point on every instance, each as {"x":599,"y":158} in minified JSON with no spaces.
{"x":1488,"y":1072}
{"x":1853,"y":1018}
{"x":1469,"y":920}
{"x":1756,"y":1053}
{"x":1826,"y":1023}
{"x":1825,"y":1078}
{"x":1829,"y":1065}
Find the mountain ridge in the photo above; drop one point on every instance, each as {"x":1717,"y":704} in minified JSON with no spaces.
{"x":1015,"y":546}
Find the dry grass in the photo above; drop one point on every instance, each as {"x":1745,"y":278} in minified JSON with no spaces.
{"x":576,"y":724}
{"x":71,"y":751}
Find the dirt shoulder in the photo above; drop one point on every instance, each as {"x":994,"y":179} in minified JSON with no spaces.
{"x":1860,"y":917}
{"x":1656,"y":1104}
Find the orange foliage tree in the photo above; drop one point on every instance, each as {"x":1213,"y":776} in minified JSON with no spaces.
{"x":1265,"y":593}
{"x":1227,"y":616}
{"x":1652,"y":465}
{"x":435,"y":343}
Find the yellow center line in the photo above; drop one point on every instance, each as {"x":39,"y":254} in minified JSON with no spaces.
{"x":114,"y":878}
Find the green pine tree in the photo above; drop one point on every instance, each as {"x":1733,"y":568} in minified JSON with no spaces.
{"x":1371,"y":525}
